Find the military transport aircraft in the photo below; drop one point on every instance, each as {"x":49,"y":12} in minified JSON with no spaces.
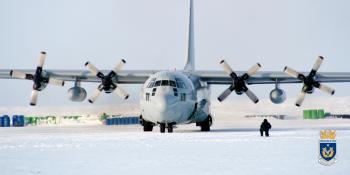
{"x":168,"y":98}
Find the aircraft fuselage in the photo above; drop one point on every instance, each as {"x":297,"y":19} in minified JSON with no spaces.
{"x":174,"y":97}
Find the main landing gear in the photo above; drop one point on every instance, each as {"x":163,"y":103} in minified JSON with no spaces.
{"x":163,"y":126}
{"x":147,"y":126}
{"x":205,"y":125}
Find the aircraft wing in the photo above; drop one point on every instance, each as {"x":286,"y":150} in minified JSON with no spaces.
{"x":124,"y":76}
{"x":220,"y":77}
{"x":211,"y":77}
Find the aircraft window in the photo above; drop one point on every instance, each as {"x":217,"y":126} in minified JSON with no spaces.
{"x":183,"y":84}
{"x":175,"y":92}
{"x":147,"y":96}
{"x":172,"y":83}
{"x":157,"y":83}
{"x":180,"y":84}
{"x":165,"y":82}
{"x":154,"y":91}
{"x":183,"y":97}
{"x":150,"y":84}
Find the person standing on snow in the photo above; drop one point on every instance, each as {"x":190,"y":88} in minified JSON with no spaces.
{"x":265,"y":127}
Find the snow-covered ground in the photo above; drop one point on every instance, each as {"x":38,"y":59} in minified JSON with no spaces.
{"x":233,"y":147}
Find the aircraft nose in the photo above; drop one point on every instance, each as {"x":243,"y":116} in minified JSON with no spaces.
{"x":165,"y":101}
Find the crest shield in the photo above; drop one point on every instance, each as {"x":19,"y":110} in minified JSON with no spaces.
{"x":327,"y":147}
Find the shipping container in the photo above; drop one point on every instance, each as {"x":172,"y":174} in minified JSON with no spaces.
{"x":18,"y":121}
{"x":5,"y":121}
{"x":122,"y":121}
{"x":321,"y":113}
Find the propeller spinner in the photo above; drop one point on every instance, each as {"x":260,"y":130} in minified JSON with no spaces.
{"x":108,"y":82}
{"x":239,"y":84}
{"x":309,"y":81}
{"x":39,"y":78}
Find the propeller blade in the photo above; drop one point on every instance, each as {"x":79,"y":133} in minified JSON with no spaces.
{"x":18,"y":74}
{"x":34,"y":97}
{"x":92,"y":68}
{"x":300,"y":99}
{"x":119,"y":66}
{"x":226,"y":93}
{"x":56,"y":82}
{"x":317,"y":63}
{"x":326,"y":89}
{"x":252,"y":96}
{"x":291,"y":72}
{"x":42,"y":59}
{"x":254,"y":69}
{"x":227,"y":68}
{"x":121,"y":93}
{"x":95,"y":95}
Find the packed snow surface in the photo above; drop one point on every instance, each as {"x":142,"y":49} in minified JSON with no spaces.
{"x":232,"y":147}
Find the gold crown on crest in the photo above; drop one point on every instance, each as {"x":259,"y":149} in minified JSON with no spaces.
{"x":327,"y":134}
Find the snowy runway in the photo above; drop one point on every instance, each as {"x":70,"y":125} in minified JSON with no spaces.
{"x":127,"y":150}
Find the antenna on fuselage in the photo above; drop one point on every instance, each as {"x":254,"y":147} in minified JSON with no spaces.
{"x":190,"y":47}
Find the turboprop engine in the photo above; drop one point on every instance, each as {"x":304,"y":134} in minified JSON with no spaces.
{"x":77,"y":94}
{"x":277,"y":96}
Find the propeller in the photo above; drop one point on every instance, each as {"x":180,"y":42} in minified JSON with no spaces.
{"x":39,"y":78}
{"x":239,"y":84}
{"x":108,"y":82}
{"x":309,"y":81}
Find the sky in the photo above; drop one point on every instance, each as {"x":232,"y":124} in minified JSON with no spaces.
{"x":152,"y":35}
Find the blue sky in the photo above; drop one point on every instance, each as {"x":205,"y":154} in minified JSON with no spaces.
{"x":152,"y":35}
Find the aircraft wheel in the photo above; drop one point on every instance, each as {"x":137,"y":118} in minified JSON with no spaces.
{"x":147,"y":126}
{"x":205,"y":125}
{"x":170,"y":128}
{"x":162,"y":127}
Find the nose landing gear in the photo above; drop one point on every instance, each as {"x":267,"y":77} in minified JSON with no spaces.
{"x":170,"y":127}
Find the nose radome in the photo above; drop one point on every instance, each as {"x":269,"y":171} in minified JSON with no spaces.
{"x":164,"y":101}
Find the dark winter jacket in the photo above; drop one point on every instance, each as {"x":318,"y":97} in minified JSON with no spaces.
{"x":265,"y":125}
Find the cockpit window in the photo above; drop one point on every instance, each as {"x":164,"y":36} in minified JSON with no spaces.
{"x":180,"y":84}
{"x":150,"y":84}
{"x":172,"y":83}
{"x":157,"y":83}
{"x":165,"y":82}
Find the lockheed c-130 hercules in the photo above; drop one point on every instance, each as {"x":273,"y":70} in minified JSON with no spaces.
{"x":169,"y":98}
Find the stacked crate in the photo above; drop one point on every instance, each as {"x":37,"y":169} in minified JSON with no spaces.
{"x":5,"y":121}
{"x":314,"y":114}
{"x":122,"y":121}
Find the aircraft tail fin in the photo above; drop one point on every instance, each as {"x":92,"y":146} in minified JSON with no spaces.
{"x":190,"y":47}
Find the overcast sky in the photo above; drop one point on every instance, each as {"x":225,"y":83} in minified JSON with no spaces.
{"x":151,"y":34}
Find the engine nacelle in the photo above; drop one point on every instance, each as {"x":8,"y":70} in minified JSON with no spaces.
{"x":277,"y":96}
{"x":77,"y":94}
